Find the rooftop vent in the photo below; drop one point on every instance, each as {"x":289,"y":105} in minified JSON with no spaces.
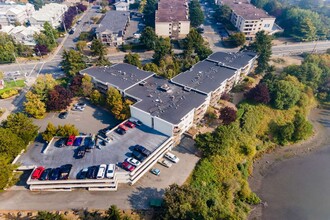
{"x":142,"y":83}
{"x":187,"y":89}
{"x":165,"y":88}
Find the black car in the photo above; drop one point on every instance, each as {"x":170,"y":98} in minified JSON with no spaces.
{"x":61,"y":142}
{"x":142,"y":150}
{"x":63,"y":115}
{"x":137,"y":123}
{"x":92,"y":172}
{"x":105,"y":131}
{"x":120,"y":131}
{"x":65,"y":171}
{"x":137,"y":155}
{"x":87,"y":140}
{"x":45,"y":174}
{"x":81,"y":152}
{"x":82,"y":174}
{"x":55,"y":174}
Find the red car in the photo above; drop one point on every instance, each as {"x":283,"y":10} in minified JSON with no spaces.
{"x":70,"y":140}
{"x":37,"y":172}
{"x":130,"y":124}
{"x":123,"y":127}
{"x":127,"y":166}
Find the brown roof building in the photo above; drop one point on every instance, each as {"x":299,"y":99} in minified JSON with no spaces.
{"x":172,"y":19}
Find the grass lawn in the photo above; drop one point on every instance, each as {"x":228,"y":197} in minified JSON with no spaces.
{"x":12,"y":85}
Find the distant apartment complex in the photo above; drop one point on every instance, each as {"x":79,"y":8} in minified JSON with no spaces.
{"x":112,"y":28}
{"x":172,"y":19}
{"x":174,"y":106}
{"x":22,"y":34}
{"x":52,"y":13}
{"x":249,"y":19}
{"x":12,"y":13}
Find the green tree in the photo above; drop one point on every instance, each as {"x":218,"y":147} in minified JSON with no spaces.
{"x":1,"y":75}
{"x":151,"y":67}
{"x":285,"y":94}
{"x":6,"y":170}
{"x":133,"y":59}
{"x":263,"y":46}
{"x":149,"y":38}
{"x":80,"y":45}
{"x":87,"y":85}
{"x":305,"y":30}
{"x":196,"y":15}
{"x":22,"y":126}
{"x":149,"y":12}
{"x":113,"y":213}
{"x":95,"y":97}
{"x":50,"y":132}
{"x":163,"y":48}
{"x":114,"y":101}
{"x":169,"y":67}
{"x":43,"y":85}
{"x":11,"y":144}
{"x":237,"y":39}
{"x":302,"y":128}
{"x":67,"y":130}
{"x":43,"y":215}
{"x":51,"y":35}
{"x":7,"y":48}
{"x":73,"y":62}
{"x":222,"y":13}
{"x":34,"y":106}
{"x":98,"y":48}
{"x":285,"y":133}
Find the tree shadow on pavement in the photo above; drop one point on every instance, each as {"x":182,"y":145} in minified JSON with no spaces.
{"x":140,"y":198}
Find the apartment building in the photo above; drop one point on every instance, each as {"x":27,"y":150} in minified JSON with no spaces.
{"x":249,"y":19}
{"x":52,"y":13}
{"x":172,"y":19}
{"x":12,"y":13}
{"x":174,"y":106}
{"x":122,"y":6}
{"x":22,"y":34}
{"x":113,"y":27}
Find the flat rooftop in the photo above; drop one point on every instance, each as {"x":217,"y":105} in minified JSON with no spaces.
{"x":172,"y":10}
{"x":163,"y":99}
{"x":113,"y":21}
{"x":114,"y":152}
{"x":246,"y":10}
{"x":121,"y":75}
{"x":234,"y":60}
{"x":206,"y":76}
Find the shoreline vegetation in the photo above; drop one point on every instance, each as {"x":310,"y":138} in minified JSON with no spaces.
{"x":273,"y":115}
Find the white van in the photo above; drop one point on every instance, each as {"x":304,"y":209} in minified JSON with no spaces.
{"x":101,"y":172}
{"x":110,"y":171}
{"x":172,"y":157}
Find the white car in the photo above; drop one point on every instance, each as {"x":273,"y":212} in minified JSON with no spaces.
{"x":110,"y":171}
{"x":101,"y":172}
{"x":133,"y":161}
{"x":172,"y":157}
{"x":165,"y":163}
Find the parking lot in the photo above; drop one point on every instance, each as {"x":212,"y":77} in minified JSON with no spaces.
{"x":116,"y":151}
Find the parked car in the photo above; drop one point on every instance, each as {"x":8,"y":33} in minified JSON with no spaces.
{"x":105,"y":131}
{"x":123,"y":127}
{"x":120,"y":131}
{"x":127,"y":166}
{"x":45,"y":174}
{"x":138,"y":156}
{"x":172,"y":157}
{"x":78,"y":108}
{"x":81,"y":152}
{"x":130,"y":124}
{"x":110,"y":171}
{"x":55,"y":174}
{"x":63,"y":115}
{"x":133,"y":161}
{"x":92,"y":172}
{"x":80,"y":104}
{"x":60,"y":142}
{"x":101,"y":171}
{"x":142,"y":150}
{"x":82,"y":174}
{"x":78,"y":141}
{"x":37,"y":172}
{"x":165,"y":163}
{"x":70,"y":140}
{"x":135,"y":121}
{"x":155,"y":171}
{"x":65,"y":171}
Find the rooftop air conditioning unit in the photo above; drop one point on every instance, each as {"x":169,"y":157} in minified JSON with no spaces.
{"x":187,"y":89}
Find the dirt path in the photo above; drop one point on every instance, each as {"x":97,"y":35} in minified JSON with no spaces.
{"x":267,"y":161}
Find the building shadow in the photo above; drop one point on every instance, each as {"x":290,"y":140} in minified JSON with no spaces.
{"x":140,"y":198}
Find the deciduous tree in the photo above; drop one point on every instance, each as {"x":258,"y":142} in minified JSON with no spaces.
{"x":149,"y":38}
{"x":237,"y":39}
{"x":34,"y":106}
{"x":73,"y":62}
{"x":43,"y":85}
{"x":227,"y":115}
{"x":87,"y":85}
{"x":285,"y":94}
{"x":114,"y":101}
{"x":259,"y":94}
{"x":58,"y":99}
{"x":50,"y":132}
{"x":133,"y":59}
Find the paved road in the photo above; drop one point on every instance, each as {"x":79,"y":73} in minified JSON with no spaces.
{"x":296,"y":48}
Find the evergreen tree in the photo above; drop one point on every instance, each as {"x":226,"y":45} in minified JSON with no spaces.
{"x":73,"y":62}
{"x":263,"y":47}
{"x":196,"y":15}
{"x":133,"y":59}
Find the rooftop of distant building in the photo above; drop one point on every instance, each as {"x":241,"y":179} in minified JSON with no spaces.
{"x":172,"y":10}
{"x":114,"y":21}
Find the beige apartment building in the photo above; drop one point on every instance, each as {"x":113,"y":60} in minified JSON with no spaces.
{"x":249,"y":19}
{"x":172,"y":19}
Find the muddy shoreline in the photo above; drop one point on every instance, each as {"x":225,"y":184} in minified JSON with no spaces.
{"x":263,"y":165}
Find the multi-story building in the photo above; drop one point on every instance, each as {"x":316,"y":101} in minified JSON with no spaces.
{"x":11,"y":14}
{"x":52,"y":13}
{"x":122,"y":6}
{"x":173,"y":106}
{"x":112,"y":28}
{"x":249,"y":19}
{"x":22,"y":34}
{"x":172,"y":19}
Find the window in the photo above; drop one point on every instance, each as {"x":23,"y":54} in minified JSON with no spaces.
{"x":267,"y":25}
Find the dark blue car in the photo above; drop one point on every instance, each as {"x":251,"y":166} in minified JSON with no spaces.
{"x":45,"y":174}
{"x":142,"y":150}
{"x":77,"y":141}
{"x":55,"y":174}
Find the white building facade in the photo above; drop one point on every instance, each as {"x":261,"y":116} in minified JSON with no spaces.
{"x":52,"y":13}
{"x":11,"y":14}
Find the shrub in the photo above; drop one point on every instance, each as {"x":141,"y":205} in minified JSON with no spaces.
{"x":9,"y":93}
